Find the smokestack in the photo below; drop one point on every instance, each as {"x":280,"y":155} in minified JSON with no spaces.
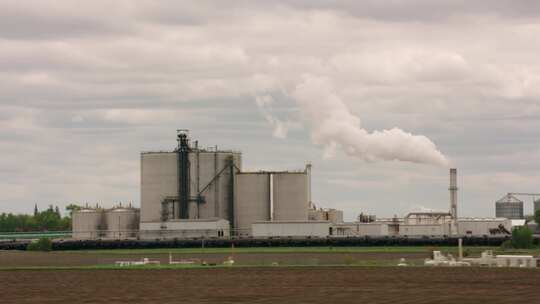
{"x":453,"y":193}
{"x":308,"y":172}
{"x":460,"y":244}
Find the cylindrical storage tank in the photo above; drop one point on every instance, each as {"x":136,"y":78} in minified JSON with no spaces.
{"x":159,"y":179}
{"x":210,"y":174}
{"x":290,"y":196}
{"x":252,"y":203}
{"x":334,"y":216}
{"x":122,"y":223}
{"x":509,"y":207}
{"x":87,"y":224}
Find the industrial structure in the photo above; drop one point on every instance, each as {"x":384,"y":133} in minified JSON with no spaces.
{"x":98,"y":223}
{"x":194,"y":192}
{"x":509,"y":207}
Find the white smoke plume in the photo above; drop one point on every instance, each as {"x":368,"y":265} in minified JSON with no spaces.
{"x":334,"y":126}
{"x":280,"y":128}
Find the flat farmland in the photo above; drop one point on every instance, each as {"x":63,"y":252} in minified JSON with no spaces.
{"x":22,"y":259}
{"x":295,"y":256}
{"x":271,"y":285}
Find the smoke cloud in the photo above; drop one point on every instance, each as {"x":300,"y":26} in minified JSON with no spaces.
{"x":280,"y":128}
{"x":334,"y":126}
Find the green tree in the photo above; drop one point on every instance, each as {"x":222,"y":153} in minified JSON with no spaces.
{"x":522,"y":237}
{"x":73,"y":207}
{"x":43,"y":244}
{"x":537,"y":217}
{"x":47,"y":220}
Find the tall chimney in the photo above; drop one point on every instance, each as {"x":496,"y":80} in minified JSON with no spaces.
{"x":308,"y":172}
{"x":453,"y":193}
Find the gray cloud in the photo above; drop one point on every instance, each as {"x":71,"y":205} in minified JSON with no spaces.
{"x":87,"y":85}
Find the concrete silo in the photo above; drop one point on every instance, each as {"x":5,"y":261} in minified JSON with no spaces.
{"x":88,"y":223}
{"x":252,"y":200}
{"x":270,"y":196}
{"x":188,"y":183}
{"x":290,"y":196}
{"x":159,"y":180}
{"x":122,"y":223}
{"x":212,"y":177}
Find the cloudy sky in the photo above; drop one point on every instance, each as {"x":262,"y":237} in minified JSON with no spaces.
{"x":381,"y":96}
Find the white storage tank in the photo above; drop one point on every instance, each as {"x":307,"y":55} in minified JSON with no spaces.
{"x":122,"y":223}
{"x":87,"y":223}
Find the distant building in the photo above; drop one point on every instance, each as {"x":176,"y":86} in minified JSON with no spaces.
{"x":509,"y":207}
{"x":536,"y":205}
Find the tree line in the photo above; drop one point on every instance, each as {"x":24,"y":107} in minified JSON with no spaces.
{"x":49,"y":219}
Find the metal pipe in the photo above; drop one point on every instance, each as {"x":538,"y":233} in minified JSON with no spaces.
{"x":453,"y":193}
{"x":460,"y":245}
{"x":198,"y":178}
{"x":271,"y":181}
{"x":308,"y":172}
{"x":183,"y":174}
{"x":216,"y":186}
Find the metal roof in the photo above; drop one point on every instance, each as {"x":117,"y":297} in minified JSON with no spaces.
{"x":509,"y":198}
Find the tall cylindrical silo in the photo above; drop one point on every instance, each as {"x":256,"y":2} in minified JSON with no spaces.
{"x":159,"y":180}
{"x":290,"y":196}
{"x":212,"y":176}
{"x":252,"y":200}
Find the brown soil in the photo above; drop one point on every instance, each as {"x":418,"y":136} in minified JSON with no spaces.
{"x":272,"y":285}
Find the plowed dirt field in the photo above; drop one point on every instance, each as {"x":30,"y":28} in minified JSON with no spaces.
{"x":272,"y":285}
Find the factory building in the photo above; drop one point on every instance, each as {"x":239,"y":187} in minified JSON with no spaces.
{"x":194,"y":192}
{"x":188,"y":183}
{"x":360,"y":229}
{"x":182,"y":229}
{"x":509,"y":207}
{"x":320,"y":214}
{"x":484,"y":226}
{"x":292,"y":229}
{"x":192,"y":187}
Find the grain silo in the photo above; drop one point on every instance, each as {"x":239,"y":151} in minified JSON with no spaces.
{"x":159,"y":179}
{"x":212,"y":183}
{"x":270,"y":196}
{"x":509,"y":207}
{"x":188,"y":183}
{"x":290,"y":196}
{"x":122,"y":222}
{"x":88,"y":223}
{"x":252,"y":200}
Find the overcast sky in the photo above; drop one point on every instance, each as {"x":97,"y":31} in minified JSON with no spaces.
{"x":381,"y":96}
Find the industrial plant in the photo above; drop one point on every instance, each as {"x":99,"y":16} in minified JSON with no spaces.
{"x":194,"y":192}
